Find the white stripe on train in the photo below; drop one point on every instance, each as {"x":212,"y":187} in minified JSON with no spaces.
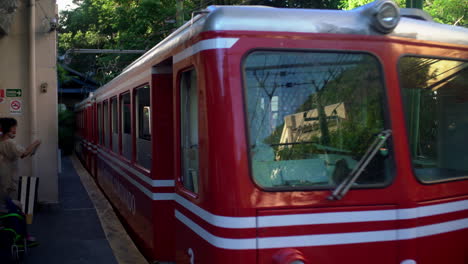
{"x":288,"y":220}
{"x":322,"y":239}
{"x":362,"y":237}
{"x":143,"y":189}
{"x":207,"y":44}
{"x":220,"y":242}
{"x":322,"y":218}
{"x":217,"y":220}
{"x":362,"y":216}
{"x":153,"y":183}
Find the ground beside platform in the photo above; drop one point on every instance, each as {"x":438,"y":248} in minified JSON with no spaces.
{"x":70,"y":232}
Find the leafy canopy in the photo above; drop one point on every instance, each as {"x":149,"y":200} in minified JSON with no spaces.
{"x":141,"y":24}
{"x":453,"y":12}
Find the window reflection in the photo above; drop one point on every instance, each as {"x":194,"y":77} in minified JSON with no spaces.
{"x":312,"y":116}
{"x":143,"y":111}
{"x":435,"y":96}
{"x":115,"y":125}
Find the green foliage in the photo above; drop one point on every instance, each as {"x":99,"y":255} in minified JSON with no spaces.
{"x":453,"y":12}
{"x":318,"y":4}
{"x":355,"y":137}
{"x":299,"y":151}
{"x":354,"y":85}
{"x":421,"y":108}
{"x":62,"y":74}
{"x":141,"y":24}
{"x":351,"y":4}
{"x":359,"y":88}
{"x":113,"y":24}
{"x":135,"y":24}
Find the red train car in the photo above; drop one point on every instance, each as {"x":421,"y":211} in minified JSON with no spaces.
{"x":267,"y":135}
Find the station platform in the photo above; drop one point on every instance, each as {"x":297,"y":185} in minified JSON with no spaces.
{"x":82,"y":228}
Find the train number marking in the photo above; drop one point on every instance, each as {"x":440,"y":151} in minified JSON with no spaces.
{"x":192,"y":256}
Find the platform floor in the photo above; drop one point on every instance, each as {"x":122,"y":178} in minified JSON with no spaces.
{"x":74,"y":231}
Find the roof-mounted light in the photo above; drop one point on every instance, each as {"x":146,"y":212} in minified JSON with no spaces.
{"x":383,"y":15}
{"x":386,"y":16}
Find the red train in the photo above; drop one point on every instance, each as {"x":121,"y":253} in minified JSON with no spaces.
{"x":288,"y":136}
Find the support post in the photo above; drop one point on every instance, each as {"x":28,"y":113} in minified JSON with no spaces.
{"x":414,"y":4}
{"x":180,"y":13}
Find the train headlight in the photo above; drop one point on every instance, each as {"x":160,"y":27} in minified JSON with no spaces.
{"x":289,"y":256}
{"x":386,"y":17}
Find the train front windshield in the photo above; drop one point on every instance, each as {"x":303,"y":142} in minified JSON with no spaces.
{"x":311,"y":117}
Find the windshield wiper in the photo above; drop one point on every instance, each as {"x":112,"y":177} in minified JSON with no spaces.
{"x":344,"y":186}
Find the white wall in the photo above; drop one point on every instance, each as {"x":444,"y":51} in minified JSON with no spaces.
{"x":14,"y":74}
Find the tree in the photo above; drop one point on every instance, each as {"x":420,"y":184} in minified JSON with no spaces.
{"x":113,"y":24}
{"x":454,"y":12}
{"x":351,"y":4}
{"x":318,"y":4}
{"x":135,"y":24}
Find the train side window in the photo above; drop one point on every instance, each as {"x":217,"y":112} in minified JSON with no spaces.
{"x":99,"y":112}
{"x":115,"y":125}
{"x":125,"y":111}
{"x":143,"y":126}
{"x":435,"y":96}
{"x":189,"y":130}
{"x":106,"y":124}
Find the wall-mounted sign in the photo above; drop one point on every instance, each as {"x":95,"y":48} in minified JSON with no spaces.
{"x":16,"y":106}
{"x":2,"y":96}
{"x":14,"y":93}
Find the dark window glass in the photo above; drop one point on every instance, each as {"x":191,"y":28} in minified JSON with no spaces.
{"x":189,"y":129}
{"x":115,"y":125}
{"x":312,"y":116}
{"x":143,"y":116}
{"x":106,"y":124}
{"x":99,"y":110}
{"x":143,"y":112}
{"x":126,"y":126}
{"x":435,"y":96}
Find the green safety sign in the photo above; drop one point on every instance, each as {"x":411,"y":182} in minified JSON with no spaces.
{"x":14,"y":92}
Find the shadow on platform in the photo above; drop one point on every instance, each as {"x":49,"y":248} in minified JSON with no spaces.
{"x":70,"y":232}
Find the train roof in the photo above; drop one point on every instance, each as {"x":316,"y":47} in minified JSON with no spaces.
{"x":412,"y":24}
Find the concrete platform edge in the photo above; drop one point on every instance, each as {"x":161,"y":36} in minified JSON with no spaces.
{"x":122,"y":245}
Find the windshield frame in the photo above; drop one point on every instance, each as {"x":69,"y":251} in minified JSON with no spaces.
{"x":385,"y":115}
{"x":404,"y":106}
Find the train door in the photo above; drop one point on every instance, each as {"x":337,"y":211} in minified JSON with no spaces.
{"x":187,"y":165}
{"x":162,"y":133}
{"x":434,"y":92}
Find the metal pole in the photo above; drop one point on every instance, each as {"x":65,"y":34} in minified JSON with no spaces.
{"x":414,"y":4}
{"x":118,"y":51}
{"x":180,"y":12}
{"x":32,"y":82}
